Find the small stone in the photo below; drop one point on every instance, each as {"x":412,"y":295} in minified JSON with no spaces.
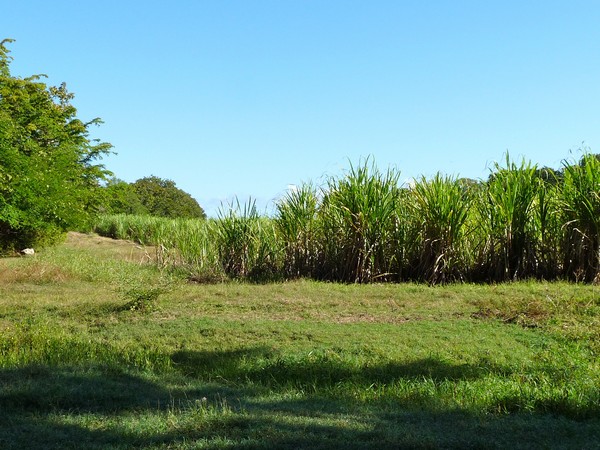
{"x":28,"y":252}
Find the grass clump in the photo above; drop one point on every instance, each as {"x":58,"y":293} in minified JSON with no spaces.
{"x":506,"y":215}
{"x":142,"y":299}
{"x":298,"y":227}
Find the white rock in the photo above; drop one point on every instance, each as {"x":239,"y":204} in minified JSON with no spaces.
{"x":28,"y":252}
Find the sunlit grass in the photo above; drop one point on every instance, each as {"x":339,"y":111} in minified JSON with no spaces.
{"x":301,"y":364}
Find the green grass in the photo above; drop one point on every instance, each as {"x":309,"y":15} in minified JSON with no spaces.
{"x":302,"y":364}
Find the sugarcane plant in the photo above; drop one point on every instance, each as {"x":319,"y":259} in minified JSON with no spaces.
{"x":581,"y":206}
{"x":506,"y":219}
{"x":298,"y":227}
{"x":441,"y":206}
{"x":358,"y":217}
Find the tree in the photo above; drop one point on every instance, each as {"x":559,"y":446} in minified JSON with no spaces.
{"x":49,"y":178}
{"x":121,"y":197}
{"x":162,"y":198}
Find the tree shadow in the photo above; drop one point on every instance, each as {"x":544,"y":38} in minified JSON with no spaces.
{"x":319,"y":371}
{"x":35,"y":399}
{"x":75,"y":407}
{"x":420,"y":421}
{"x":40,"y":388}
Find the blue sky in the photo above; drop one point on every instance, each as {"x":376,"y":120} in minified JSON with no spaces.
{"x":243,"y":98}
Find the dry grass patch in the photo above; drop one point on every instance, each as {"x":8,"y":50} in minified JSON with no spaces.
{"x":32,"y":271}
{"x":111,"y":248}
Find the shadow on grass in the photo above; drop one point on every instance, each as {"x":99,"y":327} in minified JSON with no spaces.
{"x":416,"y":384}
{"x":68,"y":407}
{"x":94,"y":407}
{"x":321,"y":370}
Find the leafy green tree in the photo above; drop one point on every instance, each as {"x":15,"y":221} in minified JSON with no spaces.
{"x":121,"y":197}
{"x":163,"y":198}
{"x":49,"y":179}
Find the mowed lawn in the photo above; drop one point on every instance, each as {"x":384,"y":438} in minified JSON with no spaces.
{"x":101,"y":348}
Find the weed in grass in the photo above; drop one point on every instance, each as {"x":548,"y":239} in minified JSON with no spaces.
{"x":142,"y":299}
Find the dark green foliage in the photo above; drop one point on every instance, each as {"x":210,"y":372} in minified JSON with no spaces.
{"x":149,"y":196}
{"x":162,"y":198}
{"x":48,"y":180}
{"x":121,"y":197}
{"x":549,"y":175}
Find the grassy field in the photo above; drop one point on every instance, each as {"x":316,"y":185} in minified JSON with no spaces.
{"x":100,"y":349}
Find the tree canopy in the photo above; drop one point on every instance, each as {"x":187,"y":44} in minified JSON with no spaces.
{"x":163,"y":198}
{"x":121,"y":197}
{"x":49,"y":175}
{"x":152,"y":196}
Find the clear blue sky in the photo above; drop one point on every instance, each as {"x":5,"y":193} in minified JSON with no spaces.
{"x":247,"y":97}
